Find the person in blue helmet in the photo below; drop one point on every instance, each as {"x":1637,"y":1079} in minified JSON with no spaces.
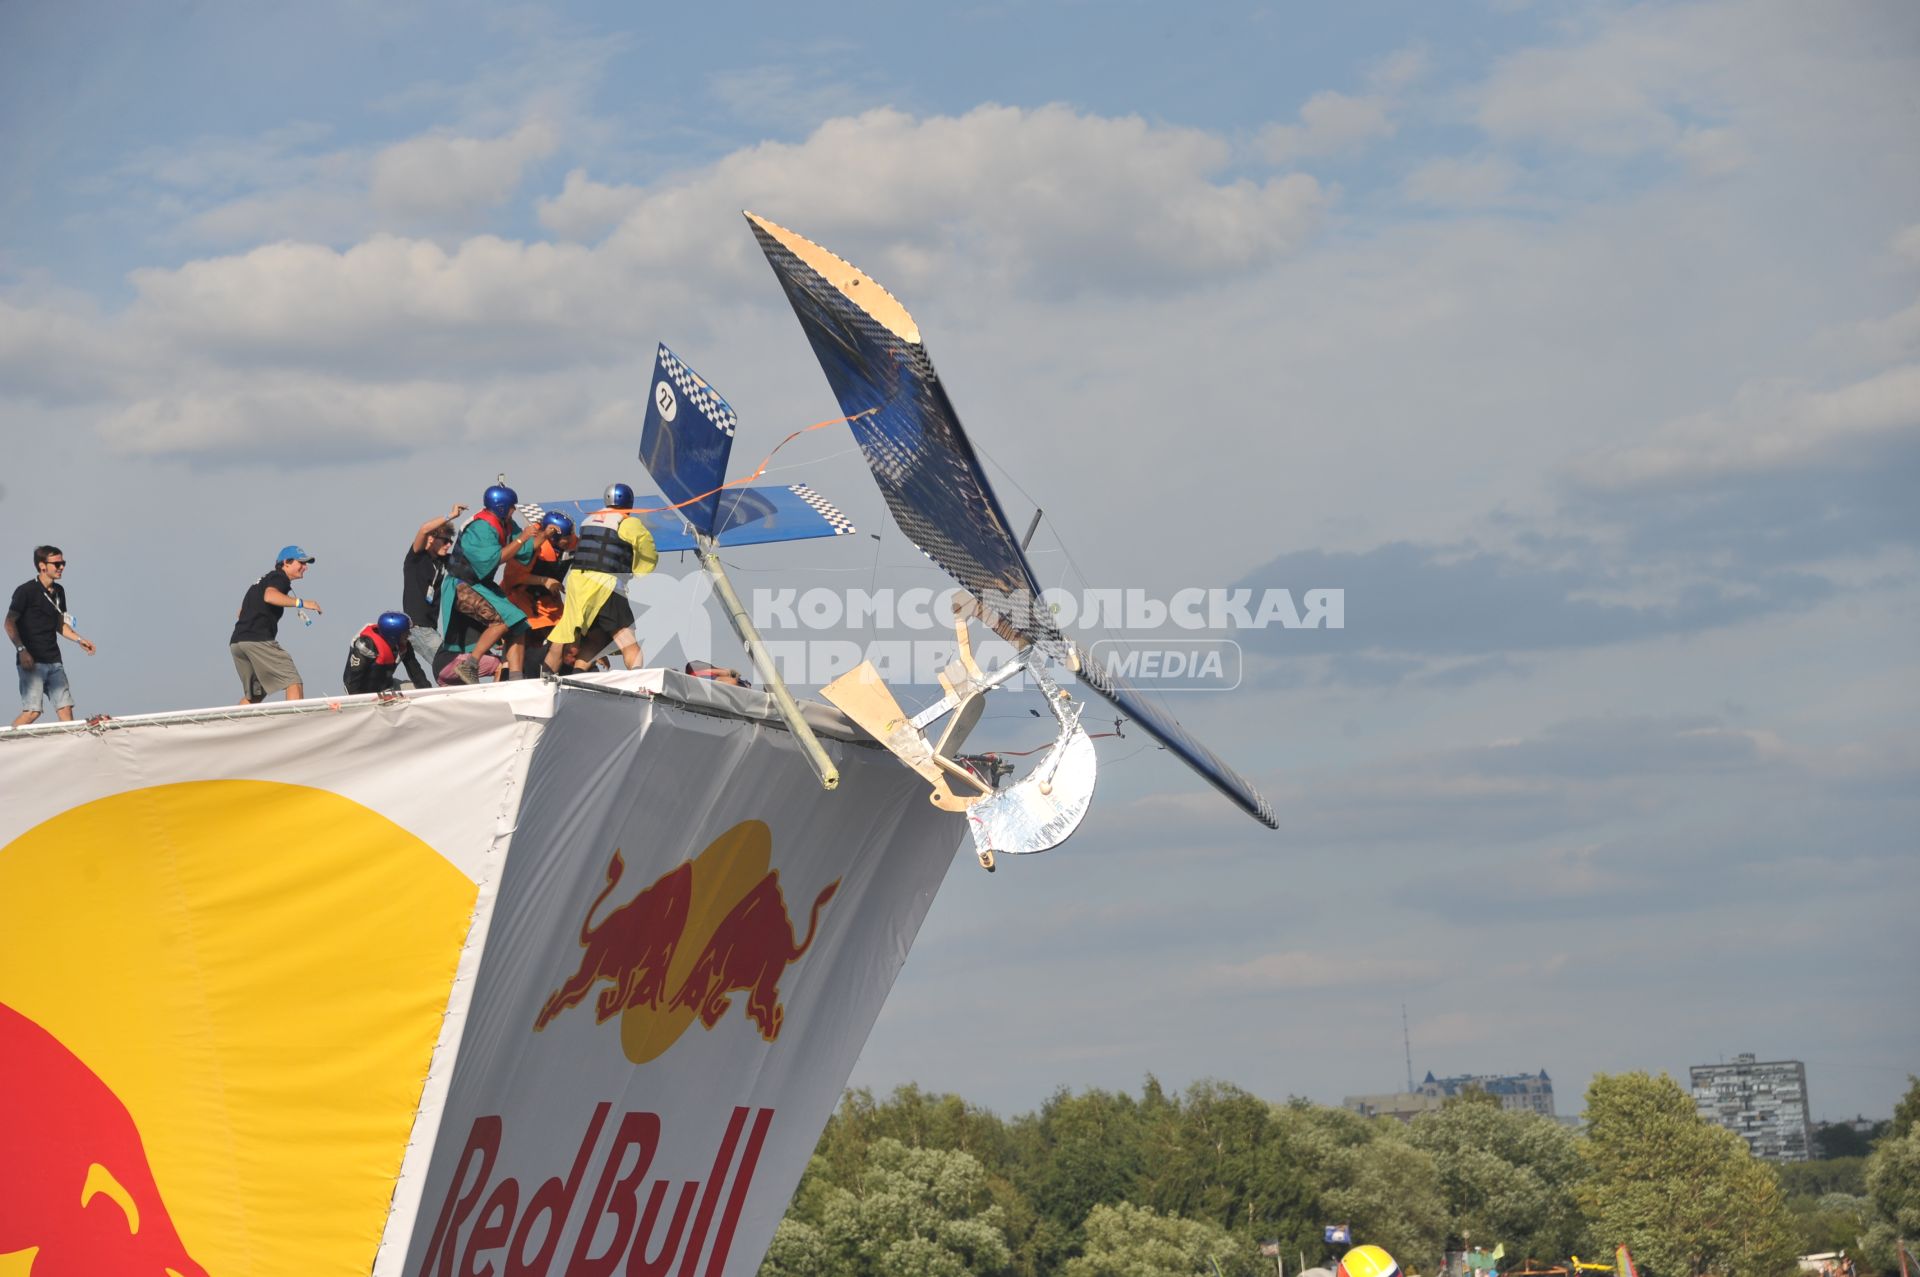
{"x":377,"y":650}
{"x":489,"y":538}
{"x":535,"y":588}
{"x":613,"y":542}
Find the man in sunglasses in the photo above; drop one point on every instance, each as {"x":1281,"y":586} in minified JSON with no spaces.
{"x":37,"y":618}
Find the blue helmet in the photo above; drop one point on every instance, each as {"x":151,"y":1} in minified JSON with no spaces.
{"x":395,"y":625}
{"x":619,"y":497}
{"x":555,"y":519}
{"x":500,"y":499}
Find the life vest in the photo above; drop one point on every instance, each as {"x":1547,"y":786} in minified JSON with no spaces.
{"x":384,"y":653}
{"x":601,"y":548}
{"x":550,"y":562}
{"x":457,"y":564}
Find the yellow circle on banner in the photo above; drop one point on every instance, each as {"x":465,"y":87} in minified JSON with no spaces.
{"x":729,"y":868}
{"x":258,"y":972}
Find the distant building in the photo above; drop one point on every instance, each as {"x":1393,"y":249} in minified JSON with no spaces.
{"x":1764,"y":1102}
{"x":1405,"y":1105}
{"x":1519,"y":1092}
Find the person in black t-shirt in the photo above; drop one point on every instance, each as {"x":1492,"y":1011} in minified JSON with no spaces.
{"x":263,"y":665}
{"x":423,"y":574}
{"x":37,"y":619}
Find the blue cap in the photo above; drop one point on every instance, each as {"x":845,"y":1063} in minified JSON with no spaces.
{"x":292,"y":552}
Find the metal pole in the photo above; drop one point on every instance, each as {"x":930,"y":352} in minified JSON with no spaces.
{"x":769,"y":677}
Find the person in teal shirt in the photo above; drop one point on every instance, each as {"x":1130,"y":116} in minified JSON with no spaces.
{"x":490,"y":537}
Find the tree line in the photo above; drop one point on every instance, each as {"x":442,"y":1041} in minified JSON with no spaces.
{"x":1106,"y":1184}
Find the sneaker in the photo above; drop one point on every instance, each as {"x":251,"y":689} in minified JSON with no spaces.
{"x":467,"y":670}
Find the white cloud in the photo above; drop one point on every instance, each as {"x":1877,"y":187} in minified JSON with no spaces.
{"x":585,"y":209}
{"x":1329,"y":123}
{"x":1771,"y":427}
{"x":1453,"y":182}
{"x":1906,"y":245}
{"x":1082,"y":199}
{"x":441,"y":177}
{"x":1399,"y":69}
{"x":289,"y":419}
{"x":1711,"y":152}
{"x":1319,"y":969}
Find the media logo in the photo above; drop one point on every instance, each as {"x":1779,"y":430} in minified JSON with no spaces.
{"x":704,"y":930}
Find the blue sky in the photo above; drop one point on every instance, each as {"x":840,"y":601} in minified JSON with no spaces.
{"x":1580,"y":344}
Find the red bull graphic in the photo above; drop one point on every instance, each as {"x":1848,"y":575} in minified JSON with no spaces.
{"x":482,"y":1220}
{"x":74,"y":1178}
{"x":630,"y":949}
{"x":708,"y":928}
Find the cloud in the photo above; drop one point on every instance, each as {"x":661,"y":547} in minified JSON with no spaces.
{"x":445,"y":178}
{"x":1423,"y":605}
{"x":1712,"y":152}
{"x":1906,"y":244}
{"x":1454,"y":182}
{"x":585,"y":209}
{"x":1770,"y":428}
{"x":1617,"y":94}
{"x":1317,"y":969}
{"x":1076,"y":202}
{"x":1330,"y":123}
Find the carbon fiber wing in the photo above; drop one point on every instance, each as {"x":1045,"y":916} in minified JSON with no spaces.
{"x":870,"y":349}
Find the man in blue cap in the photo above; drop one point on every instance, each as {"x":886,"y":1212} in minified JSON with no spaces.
{"x":263,"y":665}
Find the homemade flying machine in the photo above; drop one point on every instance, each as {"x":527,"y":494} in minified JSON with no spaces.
{"x":870,"y":349}
{"x":930,"y":476}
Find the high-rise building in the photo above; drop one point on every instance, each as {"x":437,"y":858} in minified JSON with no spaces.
{"x":1764,"y":1102}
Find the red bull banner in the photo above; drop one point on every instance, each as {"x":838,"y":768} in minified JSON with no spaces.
{"x":690,"y":946}
{"x":227,"y":951}
{"x":502,"y":980}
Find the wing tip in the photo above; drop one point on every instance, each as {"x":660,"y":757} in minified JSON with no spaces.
{"x":853,"y":283}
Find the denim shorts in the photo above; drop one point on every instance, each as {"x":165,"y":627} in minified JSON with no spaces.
{"x":46,"y":681}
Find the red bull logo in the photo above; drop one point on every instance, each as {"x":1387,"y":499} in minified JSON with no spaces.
{"x":74,"y":1178}
{"x":612,"y":1199}
{"x":705,"y":930}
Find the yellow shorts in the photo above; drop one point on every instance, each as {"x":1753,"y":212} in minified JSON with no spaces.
{"x":587,"y":593}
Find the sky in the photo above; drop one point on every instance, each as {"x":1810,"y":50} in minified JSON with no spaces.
{"x":1578,"y":344}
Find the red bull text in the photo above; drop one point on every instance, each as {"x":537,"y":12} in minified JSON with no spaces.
{"x":490,"y":1227}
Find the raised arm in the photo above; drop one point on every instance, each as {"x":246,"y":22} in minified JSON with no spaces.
{"x":426,"y":529}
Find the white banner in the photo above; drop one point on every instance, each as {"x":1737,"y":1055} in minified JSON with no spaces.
{"x":690,"y":944}
{"x":228,"y":946}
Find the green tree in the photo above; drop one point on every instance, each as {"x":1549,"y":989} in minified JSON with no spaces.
{"x":1221,"y":1155}
{"x":1893,"y":1187}
{"x":1687,"y":1196}
{"x":1837,"y":1139}
{"x":1829,"y":1222}
{"x":1816,"y":1179}
{"x":1907,"y":1111}
{"x":1389,"y":1190}
{"x":1507,"y":1177}
{"x":917,"y":1212}
{"x":1137,"y":1241}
